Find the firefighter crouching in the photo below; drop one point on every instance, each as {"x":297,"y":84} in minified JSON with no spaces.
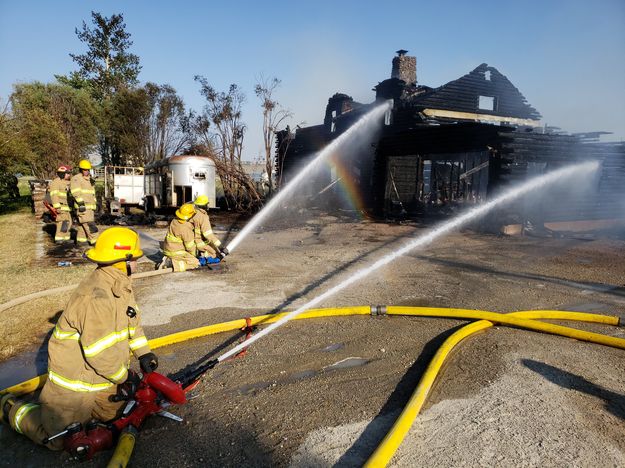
{"x":179,"y":246}
{"x":90,"y":348}
{"x":83,"y":191}
{"x":208,"y":245}
{"x":58,"y":190}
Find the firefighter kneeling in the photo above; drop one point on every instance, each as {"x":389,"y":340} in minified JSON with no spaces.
{"x":179,"y":246}
{"x":89,"y":351}
{"x":208,"y":245}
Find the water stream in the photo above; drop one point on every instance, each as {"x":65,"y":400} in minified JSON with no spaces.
{"x":426,"y":239}
{"x":373,"y":117}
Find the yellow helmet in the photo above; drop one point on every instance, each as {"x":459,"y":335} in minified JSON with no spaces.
{"x":116,"y":244}
{"x":84,"y":164}
{"x":185,"y":212}
{"x":201,"y":200}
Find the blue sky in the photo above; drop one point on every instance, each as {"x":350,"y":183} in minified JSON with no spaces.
{"x":566,"y":57}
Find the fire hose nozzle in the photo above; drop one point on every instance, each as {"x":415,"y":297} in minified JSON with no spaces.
{"x":224,"y":252}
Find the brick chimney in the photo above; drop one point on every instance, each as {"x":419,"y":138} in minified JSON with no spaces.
{"x":405,"y":67}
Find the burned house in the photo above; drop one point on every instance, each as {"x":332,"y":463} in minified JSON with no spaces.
{"x":463,"y":142}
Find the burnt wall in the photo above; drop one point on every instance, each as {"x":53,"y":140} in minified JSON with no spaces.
{"x":601,"y":196}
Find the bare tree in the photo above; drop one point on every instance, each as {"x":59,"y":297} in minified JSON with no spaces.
{"x":168,"y":123}
{"x":221,"y":129}
{"x":273,"y":117}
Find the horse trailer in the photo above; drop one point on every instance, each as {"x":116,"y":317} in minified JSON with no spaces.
{"x":176,"y":180}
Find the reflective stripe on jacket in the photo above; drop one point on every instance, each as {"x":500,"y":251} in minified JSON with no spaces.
{"x":91,"y":344}
{"x":58,"y":194}
{"x":179,"y":239}
{"x":83,"y":191}
{"x":203,"y":231}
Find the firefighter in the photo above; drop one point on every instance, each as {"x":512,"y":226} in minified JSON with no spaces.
{"x":58,"y":195}
{"x":207,"y":243}
{"x":90,"y":347}
{"x":179,"y":245}
{"x":83,"y":191}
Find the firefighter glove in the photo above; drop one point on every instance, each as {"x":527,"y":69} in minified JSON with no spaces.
{"x":126,"y":390}
{"x":148,"y":362}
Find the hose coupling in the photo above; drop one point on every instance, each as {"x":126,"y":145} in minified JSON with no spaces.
{"x":378,"y":310}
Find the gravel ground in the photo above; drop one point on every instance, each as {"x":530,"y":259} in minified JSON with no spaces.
{"x":323,"y":392}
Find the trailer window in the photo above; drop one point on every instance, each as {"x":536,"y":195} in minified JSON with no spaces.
{"x":200,"y":175}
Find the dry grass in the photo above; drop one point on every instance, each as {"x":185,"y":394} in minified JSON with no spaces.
{"x":21,"y":273}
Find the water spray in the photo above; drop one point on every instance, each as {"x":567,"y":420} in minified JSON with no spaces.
{"x":421,"y":241}
{"x":374,"y":115}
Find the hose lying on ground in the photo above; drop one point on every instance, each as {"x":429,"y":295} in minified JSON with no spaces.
{"x":395,"y":436}
{"x":49,"y":292}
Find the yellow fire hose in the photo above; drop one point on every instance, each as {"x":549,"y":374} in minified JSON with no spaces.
{"x":393,"y":439}
{"x":125,"y":446}
{"x":395,"y":436}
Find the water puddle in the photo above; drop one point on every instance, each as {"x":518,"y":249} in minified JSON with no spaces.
{"x":347,"y":363}
{"x":301,"y":375}
{"x":23,"y":367}
{"x":590,"y":307}
{"x":250,"y":389}
{"x":333,"y":347}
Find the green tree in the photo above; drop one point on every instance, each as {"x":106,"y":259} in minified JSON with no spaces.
{"x":107,"y":66}
{"x":125,"y":114}
{"x":52,"y":124}
{"x":147,"y":124}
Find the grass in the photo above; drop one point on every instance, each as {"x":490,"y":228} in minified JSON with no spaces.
{"x":22,"y":272}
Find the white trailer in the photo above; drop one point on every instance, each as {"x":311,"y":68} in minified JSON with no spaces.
{"x":176,"y":180}
{"x":123,"y":187}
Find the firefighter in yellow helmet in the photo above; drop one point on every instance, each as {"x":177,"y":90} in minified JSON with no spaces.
{"x":83,"y":191}
{"x":58,"y":191}
{"x":90,"y":348}
{"x":207,"y":243}
{"x":179,"y":245}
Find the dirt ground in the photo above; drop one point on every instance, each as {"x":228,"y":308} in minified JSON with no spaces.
{"x":324,"y":392}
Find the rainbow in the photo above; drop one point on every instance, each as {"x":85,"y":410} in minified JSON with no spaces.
{"x":348,"y":190}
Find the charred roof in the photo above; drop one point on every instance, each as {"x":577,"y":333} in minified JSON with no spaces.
{"x":482,"y":91}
